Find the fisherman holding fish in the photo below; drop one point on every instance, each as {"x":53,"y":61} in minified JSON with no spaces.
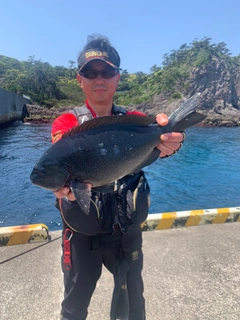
{"x":94,"y":168}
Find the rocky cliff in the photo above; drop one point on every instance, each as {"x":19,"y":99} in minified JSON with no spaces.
{"x":219,"y":85}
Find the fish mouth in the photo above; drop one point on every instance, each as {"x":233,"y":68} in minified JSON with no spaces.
{"x":37,"y":178}
{"x":36,"y":174}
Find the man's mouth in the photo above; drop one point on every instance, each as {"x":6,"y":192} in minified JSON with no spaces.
{"x":99,"y":89}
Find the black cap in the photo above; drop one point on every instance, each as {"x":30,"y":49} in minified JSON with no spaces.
{"x":95,"y":54}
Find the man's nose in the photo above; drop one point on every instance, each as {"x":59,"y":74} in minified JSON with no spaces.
{"x":99,"y":78}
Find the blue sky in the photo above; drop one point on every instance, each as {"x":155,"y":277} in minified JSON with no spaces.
{"x":142,"y":31}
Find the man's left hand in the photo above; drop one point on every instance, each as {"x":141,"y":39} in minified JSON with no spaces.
{"x":170,"y":142}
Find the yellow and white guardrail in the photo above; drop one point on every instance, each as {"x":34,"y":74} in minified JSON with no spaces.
{"x":155,"y":221}
{"x":167,"y":220}
{"x":23,"y":234}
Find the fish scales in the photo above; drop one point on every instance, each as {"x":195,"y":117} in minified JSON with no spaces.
{"x":101,"y":155}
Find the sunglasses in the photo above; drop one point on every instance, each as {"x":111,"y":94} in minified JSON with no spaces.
{"x":93,"y":74}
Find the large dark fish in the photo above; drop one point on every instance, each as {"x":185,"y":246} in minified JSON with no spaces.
{"x":104,"y":149}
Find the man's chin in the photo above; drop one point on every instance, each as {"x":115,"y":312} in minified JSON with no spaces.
{"x":99,"y":92}
{"x":100,"y":96}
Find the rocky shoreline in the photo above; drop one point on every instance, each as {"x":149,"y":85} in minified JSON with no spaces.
{"x":41,"y":115}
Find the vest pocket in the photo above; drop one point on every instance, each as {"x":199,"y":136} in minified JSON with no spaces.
{"x":141,"y":200}
{"x":133,"y":201}
{"x":93,"y":223}
{"x":79,"y":221}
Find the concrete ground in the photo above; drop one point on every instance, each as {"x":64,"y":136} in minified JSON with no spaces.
{"x":189,"y":273}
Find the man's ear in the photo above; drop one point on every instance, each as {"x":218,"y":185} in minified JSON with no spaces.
{"x":118,"y":77}
{"x":79,"y":79}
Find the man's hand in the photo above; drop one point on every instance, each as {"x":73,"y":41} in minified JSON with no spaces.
{"x":170,"y":142}
{"x":64,"y":192}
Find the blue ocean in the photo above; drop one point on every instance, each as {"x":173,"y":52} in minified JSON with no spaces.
{"x":205,"y":174}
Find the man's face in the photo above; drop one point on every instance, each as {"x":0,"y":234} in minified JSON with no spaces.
{"x":98,"y":90}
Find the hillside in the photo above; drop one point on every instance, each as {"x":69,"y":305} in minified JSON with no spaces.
{"x":219,"y":85}
{"x":202,"y":67}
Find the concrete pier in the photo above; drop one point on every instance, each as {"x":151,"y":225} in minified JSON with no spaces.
{"x":11,"y":107}
{"x":189,"y":273}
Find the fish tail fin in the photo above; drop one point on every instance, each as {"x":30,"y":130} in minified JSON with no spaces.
{"x":186,"y":116}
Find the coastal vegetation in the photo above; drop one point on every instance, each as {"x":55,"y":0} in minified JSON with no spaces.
{"x":57,"y":86}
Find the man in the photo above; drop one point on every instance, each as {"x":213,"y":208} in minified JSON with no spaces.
{"x":111,"y":234}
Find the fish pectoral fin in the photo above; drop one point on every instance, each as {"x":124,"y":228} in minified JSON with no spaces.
{"x":82,"y":193}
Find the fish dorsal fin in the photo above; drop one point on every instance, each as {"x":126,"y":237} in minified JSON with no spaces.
{"x":111,"y":120}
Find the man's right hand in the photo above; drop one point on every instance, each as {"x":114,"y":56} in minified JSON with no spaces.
{"x":64,"y":192}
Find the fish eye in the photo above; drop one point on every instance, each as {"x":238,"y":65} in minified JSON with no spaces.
{"x":42,"y":171}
